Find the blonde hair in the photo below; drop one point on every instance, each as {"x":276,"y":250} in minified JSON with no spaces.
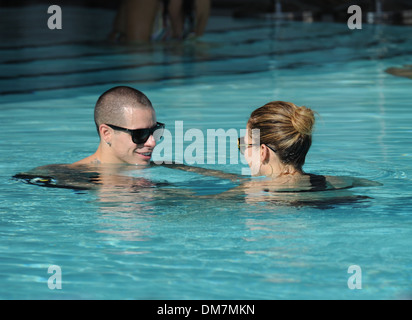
{"x":285,"y":127}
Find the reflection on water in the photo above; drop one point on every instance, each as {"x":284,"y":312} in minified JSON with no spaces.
{"x":131,"y":199}
{"x":136,"y":205}
{"x":129,"y":190}
{"x":319,"y":201}
{"x":116,"y":226}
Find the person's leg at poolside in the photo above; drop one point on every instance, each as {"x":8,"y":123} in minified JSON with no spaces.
{"x":176,"y":18}
{"x":119,"y":24}
{"x":202,"y":16}
{"x":140,"y":16}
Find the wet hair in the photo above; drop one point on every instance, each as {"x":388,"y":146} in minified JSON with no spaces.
{"x":285,"y":127}
{"x":110,"y":106}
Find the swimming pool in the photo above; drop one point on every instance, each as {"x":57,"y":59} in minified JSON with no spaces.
{"x":131,"y":245}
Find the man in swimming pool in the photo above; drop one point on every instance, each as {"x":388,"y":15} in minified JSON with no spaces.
{"x":126,"y":123}
{"x":128,"y":129}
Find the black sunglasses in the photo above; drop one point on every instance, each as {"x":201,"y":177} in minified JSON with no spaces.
{"x":140,"y":136}
{"x":242,"y":145}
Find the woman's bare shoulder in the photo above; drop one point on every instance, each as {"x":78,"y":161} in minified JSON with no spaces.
{"x":340,"y":182}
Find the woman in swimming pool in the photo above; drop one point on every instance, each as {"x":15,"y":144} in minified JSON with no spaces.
{"x":278,"y":138}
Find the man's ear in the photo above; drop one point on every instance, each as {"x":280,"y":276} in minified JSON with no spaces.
{"x":105,"y":133}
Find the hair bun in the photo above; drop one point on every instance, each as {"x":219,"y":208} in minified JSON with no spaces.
{"x":303,"y":120}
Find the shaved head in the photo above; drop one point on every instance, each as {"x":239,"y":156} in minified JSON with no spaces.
{"x":111,"y":105}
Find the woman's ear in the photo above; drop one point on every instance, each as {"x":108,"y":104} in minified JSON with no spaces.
{"x":264,"y":154}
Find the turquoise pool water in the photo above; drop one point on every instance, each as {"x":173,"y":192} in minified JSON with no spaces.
{"x":133,"y":245}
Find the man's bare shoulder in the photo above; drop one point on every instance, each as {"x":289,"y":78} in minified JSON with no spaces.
{"x":89,"y":160}
{"x":47,"y":169}
{"x":69,"y":176}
